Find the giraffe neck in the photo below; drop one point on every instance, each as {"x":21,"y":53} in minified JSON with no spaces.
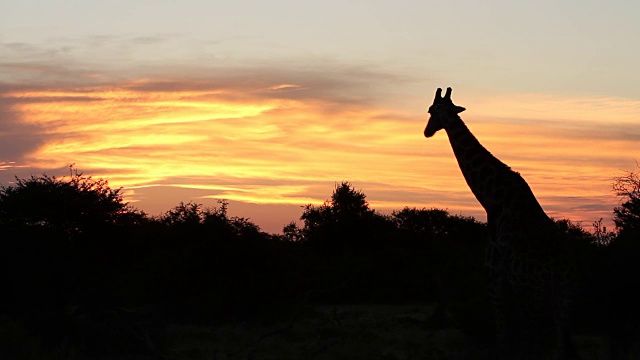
{"x":482,"y":171}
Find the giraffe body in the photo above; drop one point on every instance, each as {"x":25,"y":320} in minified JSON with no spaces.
{"x":529,"y":271}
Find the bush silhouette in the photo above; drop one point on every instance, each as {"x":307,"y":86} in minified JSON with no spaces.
{"x":622,"y":270}
{"x":74,"y":255}
{"x":66,"y":206}
{"x":449,"y":250}
{"x":627,"y":215}
{"x":53,"y":253}
{"x":344,"y":222}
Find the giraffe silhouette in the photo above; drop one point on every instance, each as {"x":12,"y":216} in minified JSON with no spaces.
{"x":528,"y":263}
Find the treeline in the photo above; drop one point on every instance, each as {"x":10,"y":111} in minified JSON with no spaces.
{"x":73,"y":249}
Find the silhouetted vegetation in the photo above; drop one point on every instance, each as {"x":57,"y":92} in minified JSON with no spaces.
{"x":622,"y":270}
{"x":84,"y":273}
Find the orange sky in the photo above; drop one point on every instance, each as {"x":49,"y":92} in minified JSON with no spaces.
{"x":272,"y":144}
{"x":269,"y":104}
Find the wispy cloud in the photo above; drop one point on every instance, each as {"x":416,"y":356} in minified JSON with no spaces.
{"x":284,"y":134}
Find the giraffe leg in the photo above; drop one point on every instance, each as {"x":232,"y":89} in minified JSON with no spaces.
{"x":561,"y":304}
{"x":502,"y":346}
{"x":506,"y":334}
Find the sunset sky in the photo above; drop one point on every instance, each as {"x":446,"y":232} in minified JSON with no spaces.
{"x":269,"y":104}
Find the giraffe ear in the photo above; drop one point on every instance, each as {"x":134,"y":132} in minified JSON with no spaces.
{"x":459,"y":109}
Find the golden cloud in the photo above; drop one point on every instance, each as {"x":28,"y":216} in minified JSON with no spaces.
{"x":274,"y":143}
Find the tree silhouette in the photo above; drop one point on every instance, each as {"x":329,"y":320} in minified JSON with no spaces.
{"x":627,"y":215}
{"x":184,"y":214}
{"x":292,"y":232}
{"x":448,"y":251}
{"x":622,"y":269}
{"x":73,"y":252}
{"x":344,"y":221}
{"x":62,"y":239}
{"x":70,"y":206}
{"x":424,"y":223}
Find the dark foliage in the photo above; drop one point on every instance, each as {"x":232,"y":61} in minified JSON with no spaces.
{"x":622,"y":269}
{"x":452,"y":249}
{"x":344,"y":223}
{"x":63,"y":206}
{"x":627,"y":215}
{"x":80,"y":267}
{"x":607,"y":291}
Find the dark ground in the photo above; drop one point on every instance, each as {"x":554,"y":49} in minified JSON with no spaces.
{"x":384,"y":332}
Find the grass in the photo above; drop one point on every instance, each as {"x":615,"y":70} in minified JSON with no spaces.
{"x":353,"y":332}
{"x":325,"y":332}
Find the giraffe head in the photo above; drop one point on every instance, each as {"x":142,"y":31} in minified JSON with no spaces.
{"x":443,"y":111}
